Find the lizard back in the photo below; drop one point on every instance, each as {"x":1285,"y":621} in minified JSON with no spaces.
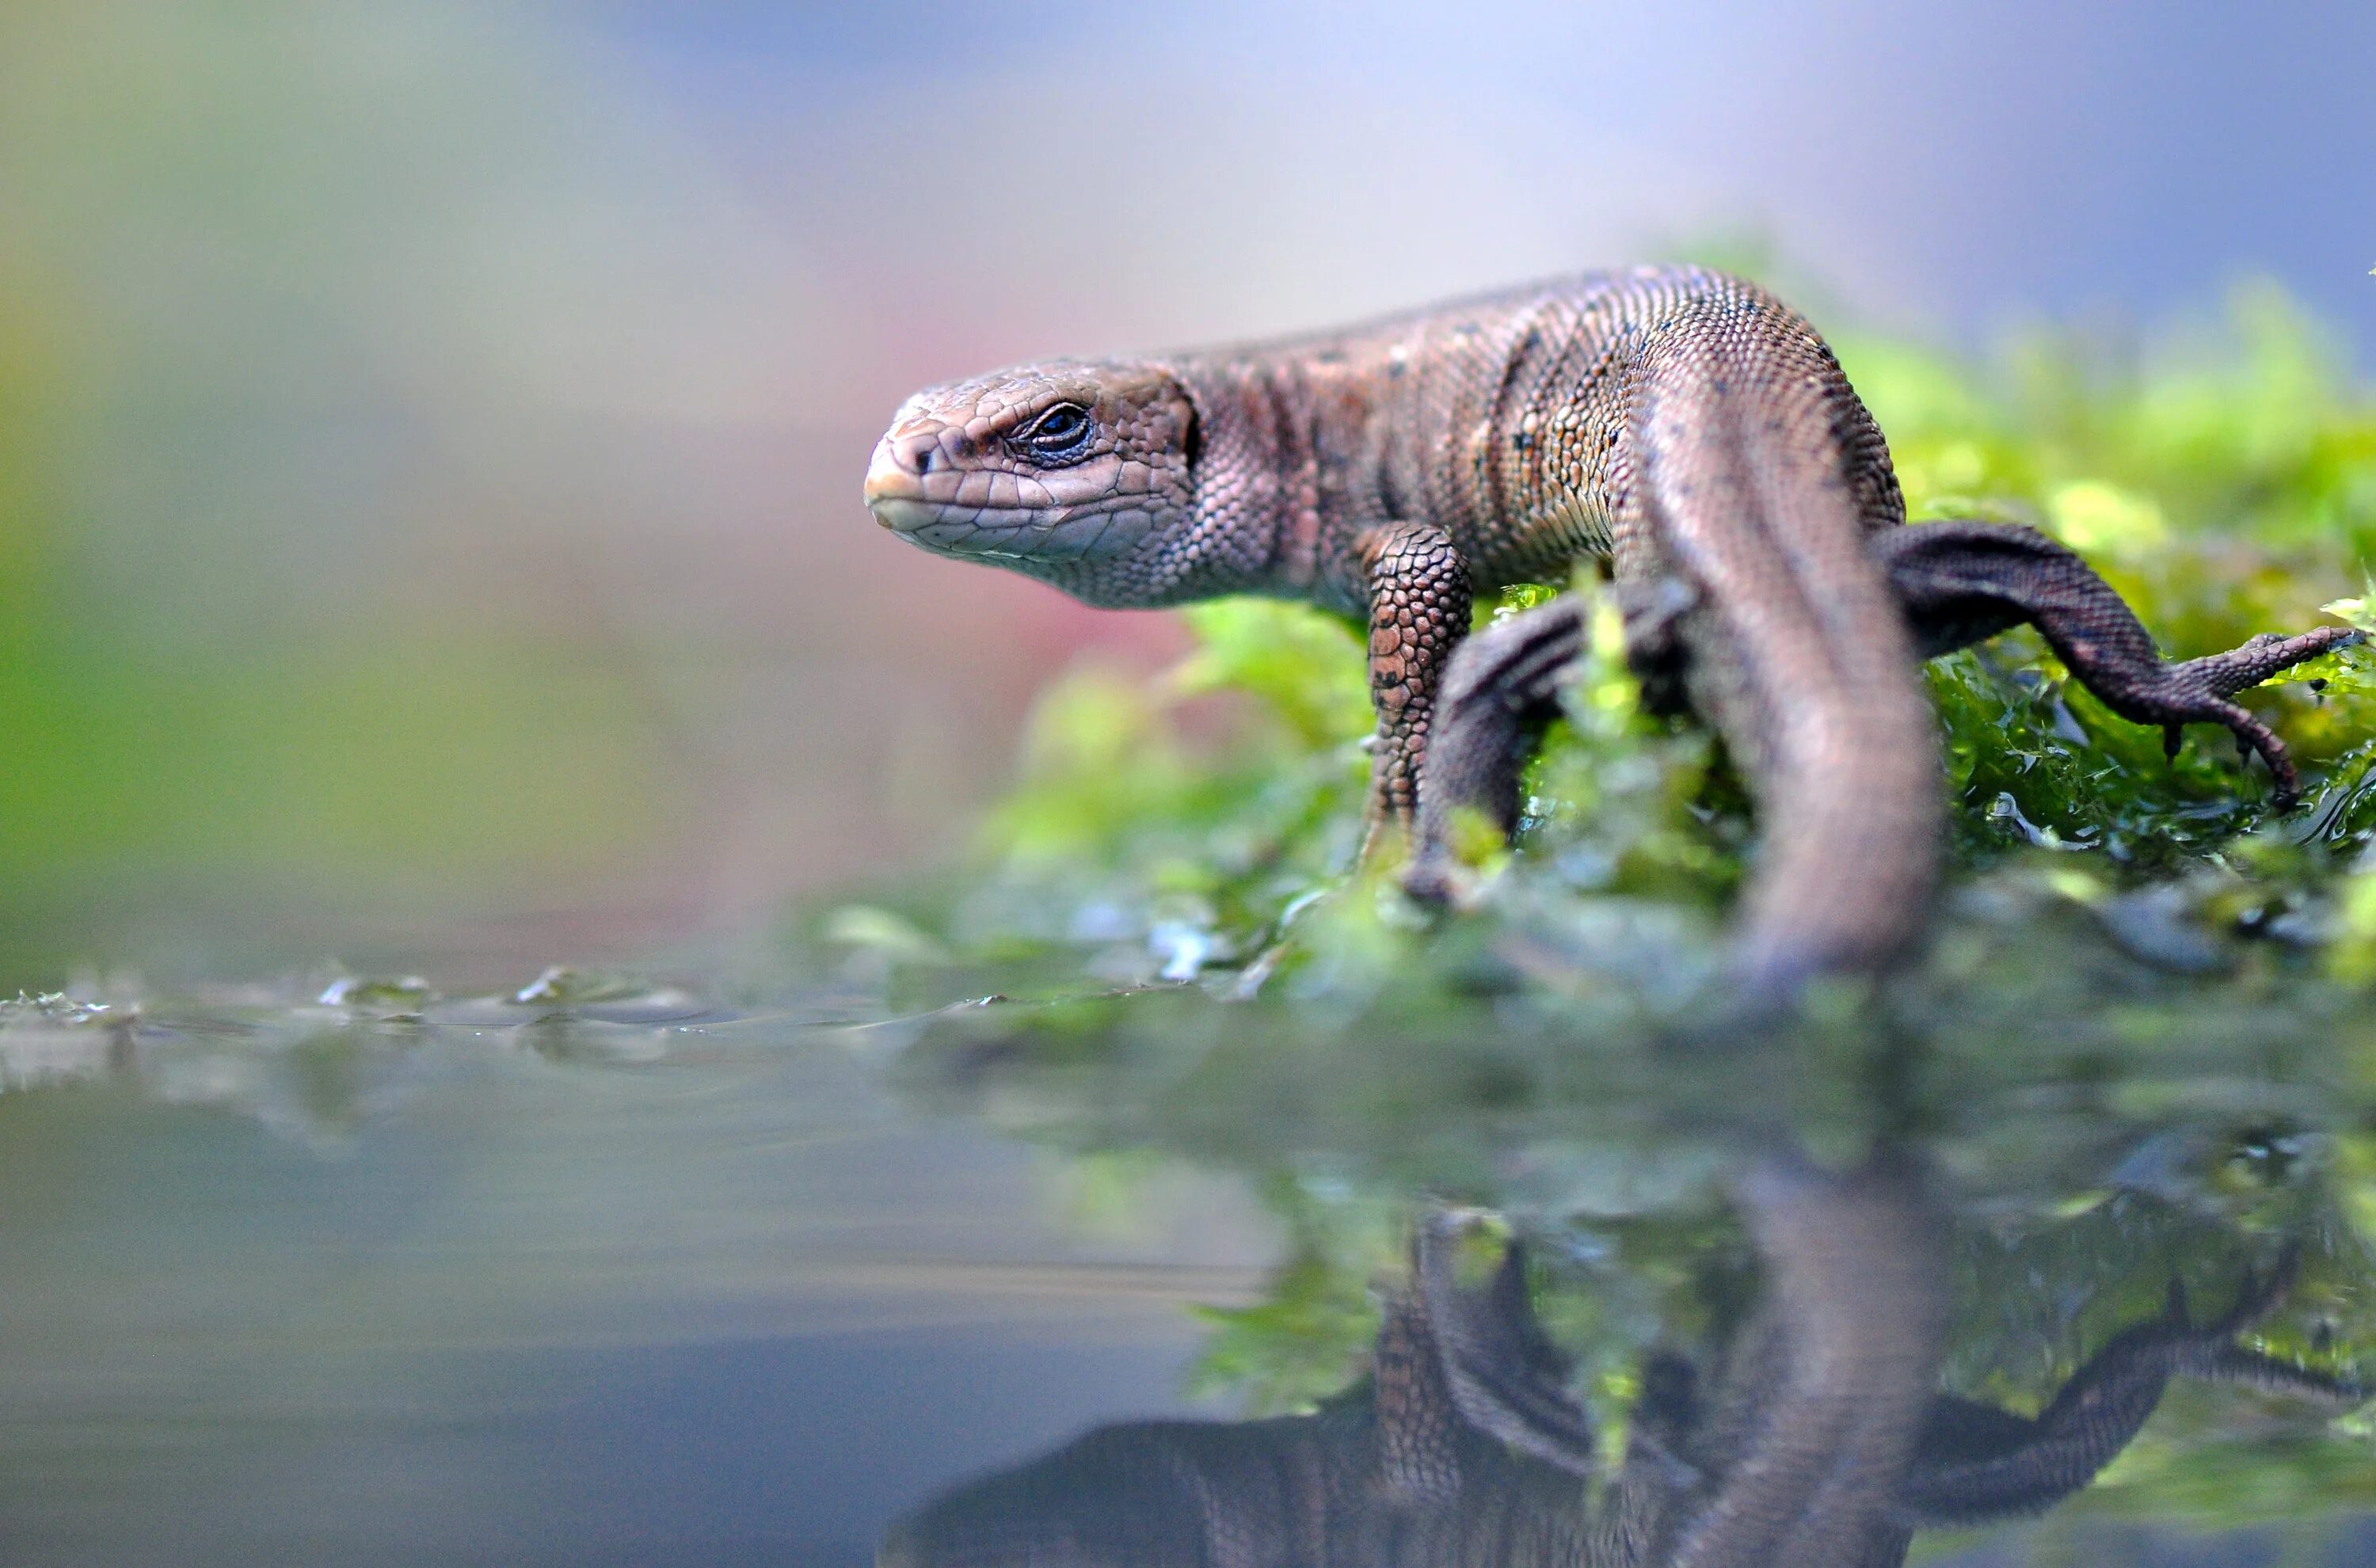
{"x":1501,"y":418}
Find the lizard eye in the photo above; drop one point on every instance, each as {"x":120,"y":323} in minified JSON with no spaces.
{"x":1060,"y":434}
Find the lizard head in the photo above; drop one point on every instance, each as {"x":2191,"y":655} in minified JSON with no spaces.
{"x":1077,"y":473}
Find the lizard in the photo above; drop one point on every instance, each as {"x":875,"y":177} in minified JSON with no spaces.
{"x":1681,"y":426}
{"x":1819,"y":1434}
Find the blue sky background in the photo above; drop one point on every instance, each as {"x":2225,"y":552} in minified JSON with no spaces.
{"x":1958,"y":163}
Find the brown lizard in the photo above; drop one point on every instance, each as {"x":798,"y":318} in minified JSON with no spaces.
{"x":1683,"y":425}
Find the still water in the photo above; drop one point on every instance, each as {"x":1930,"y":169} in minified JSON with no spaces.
{"x":616,"y":1276}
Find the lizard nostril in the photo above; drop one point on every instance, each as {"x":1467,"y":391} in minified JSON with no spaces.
{"x":921,"y":454}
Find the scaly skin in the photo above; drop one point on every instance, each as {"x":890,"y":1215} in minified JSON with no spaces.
{"x":1680,"y":424}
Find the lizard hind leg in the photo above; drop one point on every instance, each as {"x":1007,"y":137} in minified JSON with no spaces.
{"x":1978,"y":1463}
{"x":1959,"y":582}
{"x":1507,"y":676}
{"x":1497,"y":682}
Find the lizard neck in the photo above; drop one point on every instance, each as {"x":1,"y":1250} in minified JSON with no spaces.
{"x":1257,"y":525}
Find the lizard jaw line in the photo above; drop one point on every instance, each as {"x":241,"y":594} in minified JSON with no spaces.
{"x":918,"y":521}
{"x":903,"y":513}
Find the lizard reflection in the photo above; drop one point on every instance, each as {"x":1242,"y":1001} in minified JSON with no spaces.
{"x":1819,"y":1437}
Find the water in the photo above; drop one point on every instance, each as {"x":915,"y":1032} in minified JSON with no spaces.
{"x":617,"y":1277}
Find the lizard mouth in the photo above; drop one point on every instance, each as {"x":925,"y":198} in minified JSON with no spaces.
{"x":903,"y":513}
{"x":896,"y":494}
{"x":948,"y":530}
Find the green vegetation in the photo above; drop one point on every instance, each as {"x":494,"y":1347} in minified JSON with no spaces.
{"x":244,"y":675}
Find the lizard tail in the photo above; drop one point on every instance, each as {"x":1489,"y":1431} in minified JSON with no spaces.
{"x":1838,"y":1363}
{"x":1758,"y":479}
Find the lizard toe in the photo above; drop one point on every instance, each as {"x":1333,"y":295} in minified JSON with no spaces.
{"x":2254,"y":661}
{"x":2254,"y":736}
{"x":2184,"y":696}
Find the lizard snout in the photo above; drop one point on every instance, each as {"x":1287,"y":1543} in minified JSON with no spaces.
{"x":895,"y":480}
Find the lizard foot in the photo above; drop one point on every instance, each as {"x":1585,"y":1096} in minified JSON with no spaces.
{"x":1504,"y":1376}
{"x":2199,"y":691}
{"x":1498,"y":680}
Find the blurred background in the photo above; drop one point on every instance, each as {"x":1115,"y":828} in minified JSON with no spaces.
{"x":429,"y":435}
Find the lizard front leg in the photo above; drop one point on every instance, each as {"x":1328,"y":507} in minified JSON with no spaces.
{"x":1418,"y":610}
{"x":1962,"y":581}
{"x":1501,"y":1372}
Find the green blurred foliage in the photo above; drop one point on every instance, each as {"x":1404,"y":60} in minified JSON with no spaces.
{"x":216,"y":342}
{"x":2226,"y":484}
{"x":476,"y":762}
{"x":340,"y":762}
{"x":1310,"y":1337}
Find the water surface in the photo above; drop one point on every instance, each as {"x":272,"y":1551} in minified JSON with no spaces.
{"x":636,"y":1279}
